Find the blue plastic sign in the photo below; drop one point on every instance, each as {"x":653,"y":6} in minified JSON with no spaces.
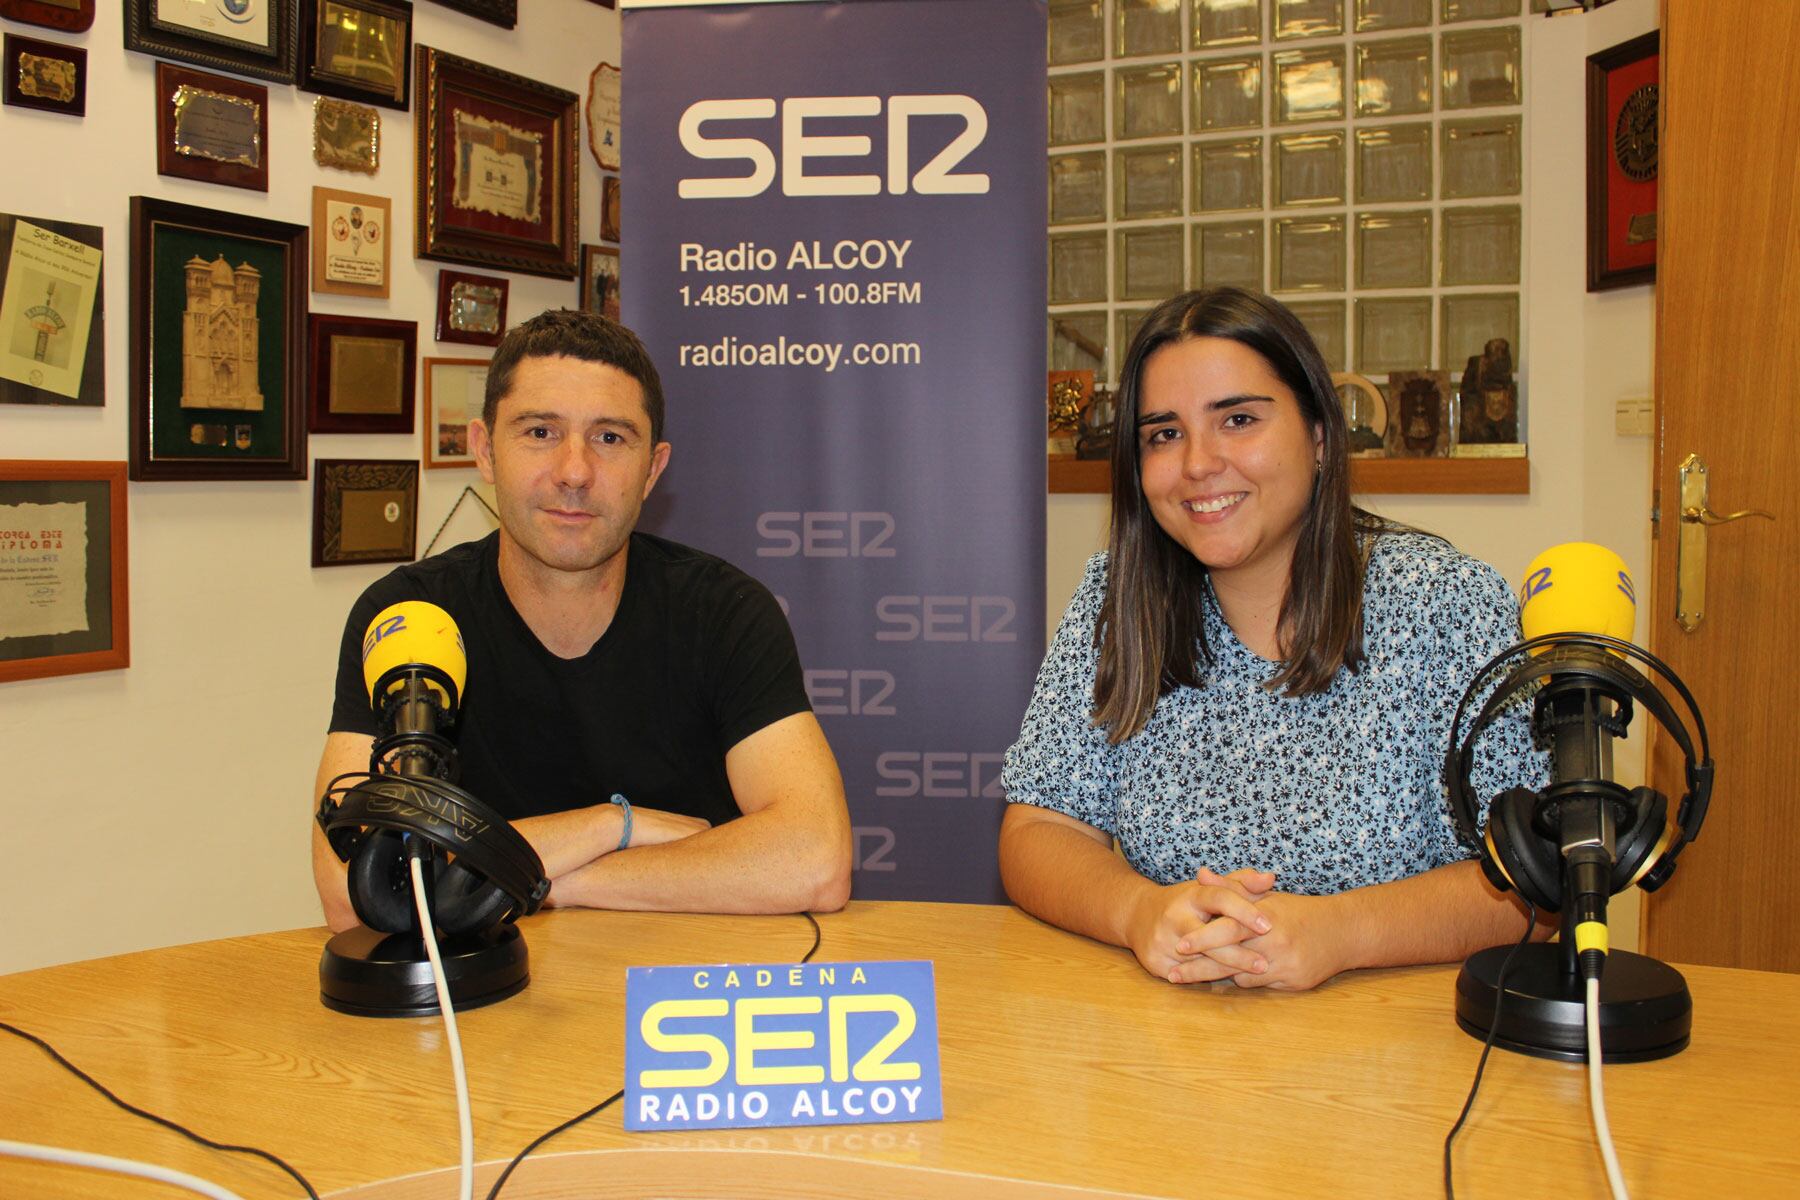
{"x":740,"y":1045}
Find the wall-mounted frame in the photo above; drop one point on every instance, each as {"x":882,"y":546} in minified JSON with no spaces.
{"x":64,"y":594}
{"x":70,"y":16}
{"x":454,"y":390}
{"x":496,"y":168}
{"x":504,"y":13}
{"x":44,"y":75}
{"x":609,"y":209}
{"x":364,"y":511}
{"x":1623,"y":91}
{"x":352,"y":243}
{"x":346,"y":136}
{"x":52,"y":328}
{"x":218,"y":327}
{"x":357,"y":50}
{"x":600,"y":280}
{"x":603,"y":115}
{"x":471,"y":309}
{"x":258,"y":40}
{"x":211,"y":128}
{"x":362,"y":372}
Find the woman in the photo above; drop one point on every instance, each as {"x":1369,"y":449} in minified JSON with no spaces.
{"x":1251,"y":689}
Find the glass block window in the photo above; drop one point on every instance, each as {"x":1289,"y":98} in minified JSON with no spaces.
{"x":1361,"y":160}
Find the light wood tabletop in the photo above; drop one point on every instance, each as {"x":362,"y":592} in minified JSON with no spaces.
{"x":1067,"y":1071}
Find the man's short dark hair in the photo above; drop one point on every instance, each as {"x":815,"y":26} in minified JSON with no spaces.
{"x":572,"y":333}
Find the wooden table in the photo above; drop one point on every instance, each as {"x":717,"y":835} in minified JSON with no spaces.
{"x":1065,"y":1067}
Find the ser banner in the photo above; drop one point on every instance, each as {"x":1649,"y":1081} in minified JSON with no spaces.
{"x":834,"y":249}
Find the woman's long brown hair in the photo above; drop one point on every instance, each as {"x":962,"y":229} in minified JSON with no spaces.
{"x":1151,"y":632}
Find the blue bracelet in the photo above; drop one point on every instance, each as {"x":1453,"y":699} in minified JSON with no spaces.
{"x":622,"y":802}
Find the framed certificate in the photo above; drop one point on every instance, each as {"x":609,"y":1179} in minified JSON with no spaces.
{"x":211,"y":128}
{"x":364,"y":511}
{"x":454,"y":391}
{"x":361,"y":377}
{"x":496,"y":168}
{"x":351,"y":244}
{"x":63,"y":561}
{"x":245,"y":37}
{"x":46,"y":75}
{"x":357,"y":50}
{"x":51,"y":327}
{"x":218,"y":330}
{"x":1623,"y":88}
{"x":600,"y":280}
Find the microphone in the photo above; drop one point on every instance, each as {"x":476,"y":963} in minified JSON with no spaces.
{"x":1581,"y":588}
{"x":414,"y":666}
{"x":1570,"y":846}
{"x":479,"y":873}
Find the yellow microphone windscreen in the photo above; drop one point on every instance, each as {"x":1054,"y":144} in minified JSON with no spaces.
{"x":413,"y":631}
{"x":1578,"y":587}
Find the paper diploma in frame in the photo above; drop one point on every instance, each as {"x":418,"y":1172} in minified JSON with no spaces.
{"x":63,"y":558}
{"x":50,"y":313}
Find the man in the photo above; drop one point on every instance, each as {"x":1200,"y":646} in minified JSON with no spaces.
{"x":605,"y":662}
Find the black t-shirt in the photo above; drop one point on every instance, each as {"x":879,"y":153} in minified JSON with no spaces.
{"x":697,"y":658}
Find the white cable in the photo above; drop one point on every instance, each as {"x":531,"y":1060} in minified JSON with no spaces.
{"x":119,"y":1166}
{"x":465,"y":1126}
{"x":1597,"y":1096}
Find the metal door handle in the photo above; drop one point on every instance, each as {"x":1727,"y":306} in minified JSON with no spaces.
{"x":1690,"y":548}
{"x":1706,"y":516}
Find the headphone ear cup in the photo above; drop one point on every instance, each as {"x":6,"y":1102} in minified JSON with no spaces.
{"x":464,"y":902}
{"x":1530,"y":861}
{"x":380,"y":883}
{"x":1650,"y":810}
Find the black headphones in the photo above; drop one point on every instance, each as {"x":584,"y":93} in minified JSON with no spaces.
{"x":494,"y":876}
{"x":1520,"y":850}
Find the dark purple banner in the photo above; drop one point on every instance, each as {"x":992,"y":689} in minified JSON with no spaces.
{"x":834,"y":248}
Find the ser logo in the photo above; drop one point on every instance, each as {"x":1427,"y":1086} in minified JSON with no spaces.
{"x":384,"y":629}
{"x":825,"y":534}
{"x":937,"y":177}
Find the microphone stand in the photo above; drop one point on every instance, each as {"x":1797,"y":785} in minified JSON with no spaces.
{"x":1645,"y":1010}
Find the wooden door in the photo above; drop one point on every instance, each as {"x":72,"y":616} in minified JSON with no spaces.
{"x":1728,"y":389}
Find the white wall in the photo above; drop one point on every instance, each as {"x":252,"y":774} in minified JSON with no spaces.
{"x":1582,"y":354}
{"x":167,"y":802}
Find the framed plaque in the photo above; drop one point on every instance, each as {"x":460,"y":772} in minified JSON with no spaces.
{"x":346,"y":136}
{"x":246,"y":37}
{"x":52,"y":336}
{"x":70,"y":16}
{"x":471,"y":309}
{"x":1622,"y":101}
{"x":45,"y":75}
{"x":361,"y":377}
{"x":454,"y":391}
{"x":603,"y":116}
{"x":504,"y":13}
{"x":364,"y":511}
{"x":63,"y":562}
{"x":496,"y":168}
{"x":218,"y":326}
{"x":211,"y":128}
{"x":609,"y":209}
{"x":351,"y":244}
{"x":600,"y":280}
{"x":357,"y":50}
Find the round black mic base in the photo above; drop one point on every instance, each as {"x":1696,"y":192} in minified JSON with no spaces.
{"x":370,"y":974}
{"x":1645,"y":1009}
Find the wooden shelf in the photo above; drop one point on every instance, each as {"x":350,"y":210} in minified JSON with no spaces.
{"x":1368,"y":476}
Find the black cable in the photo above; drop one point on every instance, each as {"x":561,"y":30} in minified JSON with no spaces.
{"x":135,"y":1111}
{"x":494,"y":1192}
{"x":1487,"y":1046}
